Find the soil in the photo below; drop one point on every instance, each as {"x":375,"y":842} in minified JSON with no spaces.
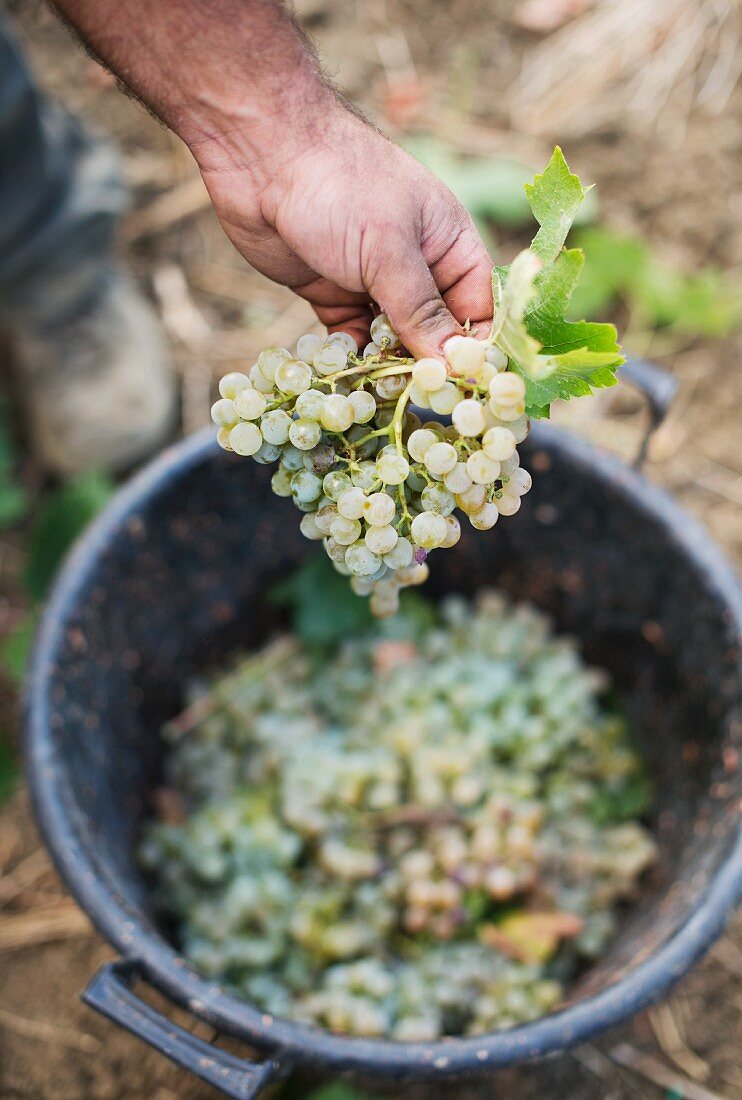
{"x":678,"y":191}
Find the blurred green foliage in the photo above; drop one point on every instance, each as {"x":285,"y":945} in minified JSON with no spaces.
{"x":621,"y":267}
{"x":13,"y":497}
{"x":15,"y":647}
{"x":62,"y":516}
{"x":491,"y":188}
{"x":338,"y":1091}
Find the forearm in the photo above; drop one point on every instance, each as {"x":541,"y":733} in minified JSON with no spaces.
{"x":222,"y":74}
{"x":310,"y":195}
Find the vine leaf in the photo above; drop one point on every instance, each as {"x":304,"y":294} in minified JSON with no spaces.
{"x":583,"y":355}
{"x":555,"y":196}
{"x":512,"y":290}
{"x":556,"y":358}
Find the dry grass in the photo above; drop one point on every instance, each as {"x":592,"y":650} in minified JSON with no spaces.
{"x":60,"y":920}
{"x":637,"y":63}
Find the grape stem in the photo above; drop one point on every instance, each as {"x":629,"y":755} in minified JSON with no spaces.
{"x":273,"y":405}
{"x":402,"y":366}
{"x":395,"y":427}
{"x":405,"y":517}
{"x":371,"y":435}
{"x":222,"y":695}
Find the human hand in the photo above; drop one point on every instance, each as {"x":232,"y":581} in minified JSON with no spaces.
{"x":309,"y":193}
{"x":345,"y":217}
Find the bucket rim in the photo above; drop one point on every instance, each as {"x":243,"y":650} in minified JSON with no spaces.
{"x":303,"y":1044}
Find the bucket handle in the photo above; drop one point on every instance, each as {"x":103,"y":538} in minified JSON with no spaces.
{"x":658,"y":386}
{"x":109,"y":992}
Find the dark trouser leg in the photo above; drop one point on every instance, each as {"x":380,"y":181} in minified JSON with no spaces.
{"x":60,"y":194}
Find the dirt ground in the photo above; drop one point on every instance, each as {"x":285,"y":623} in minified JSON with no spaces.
{"x":454,"y":67}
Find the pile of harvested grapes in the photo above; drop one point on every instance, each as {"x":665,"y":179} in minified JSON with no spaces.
{"x":377,"y":486}
{"x":425,"y":833}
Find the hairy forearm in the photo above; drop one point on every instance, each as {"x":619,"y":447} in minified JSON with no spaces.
{"x":311,"y":195}
{"x":222,"y":74}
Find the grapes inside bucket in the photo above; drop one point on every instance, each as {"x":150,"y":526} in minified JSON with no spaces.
{"x":424,"y":829}
{"x":179,"y":578}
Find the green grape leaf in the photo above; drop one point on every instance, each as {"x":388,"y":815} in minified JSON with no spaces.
{"x":575,"y":357}
{"x":583,"y":355}
{"x":629,"y":801}
{"x":544,"y":318}
{"x":512,"y":290}
{"x":577,"y":374}
{"x":515,"y":292}
{"x":555,"y":196}
{"x":61,"y":518}
{"x":322,"y":607}
{"x":324,"y":610}
{"x":556,"y":358}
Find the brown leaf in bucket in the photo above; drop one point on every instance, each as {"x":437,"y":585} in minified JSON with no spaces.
{"x":531,"y":937}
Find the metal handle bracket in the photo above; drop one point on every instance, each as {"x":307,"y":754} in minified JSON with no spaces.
{"x":109,"y":992}
{"x":658,"y":386}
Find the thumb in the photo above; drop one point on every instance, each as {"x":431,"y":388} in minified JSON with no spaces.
{"x":406,"y":291}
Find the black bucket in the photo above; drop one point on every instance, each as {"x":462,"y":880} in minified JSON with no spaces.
{"x":171,"y":579}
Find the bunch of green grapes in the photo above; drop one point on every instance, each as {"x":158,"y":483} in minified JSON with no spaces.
{"x":376,"y":486}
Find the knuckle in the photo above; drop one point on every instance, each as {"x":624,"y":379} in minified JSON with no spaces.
{"x":428,"y":315}
{"x":444,"y":216}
